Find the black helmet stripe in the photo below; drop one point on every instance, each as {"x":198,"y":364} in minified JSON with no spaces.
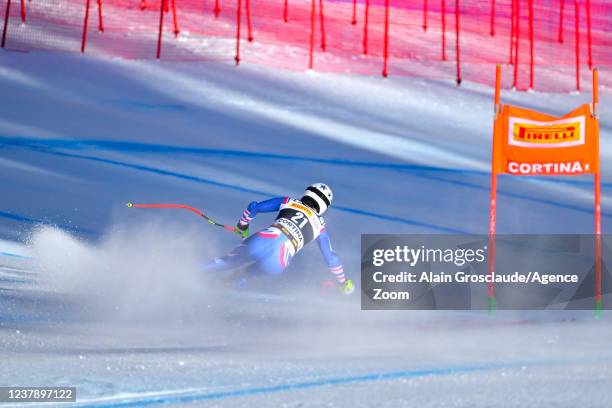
{"x":320,"y":195}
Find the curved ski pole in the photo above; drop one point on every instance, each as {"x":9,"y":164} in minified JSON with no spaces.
{"x":185,"y":207}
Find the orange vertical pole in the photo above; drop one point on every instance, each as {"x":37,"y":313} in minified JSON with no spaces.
{"x":595,"y":93}
{"x":512,"y":30}
{"x":493,"y":202}
{"x":598,"y":298}
{"x":497,"y":88}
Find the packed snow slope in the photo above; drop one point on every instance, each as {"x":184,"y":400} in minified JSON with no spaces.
{"x":112,"y":299}
{"x":83,"y":136}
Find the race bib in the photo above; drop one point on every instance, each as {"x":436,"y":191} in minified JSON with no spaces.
{"x":299,"y":222}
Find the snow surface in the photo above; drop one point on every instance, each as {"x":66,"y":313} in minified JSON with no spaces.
{"x":111,"y":299}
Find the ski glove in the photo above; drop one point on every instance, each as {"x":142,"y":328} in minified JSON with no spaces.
{"x":347,"y":287}
{"x":242,"y":230}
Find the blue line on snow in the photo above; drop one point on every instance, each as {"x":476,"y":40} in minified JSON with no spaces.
{"x":43,"y":146}
{"x":248,"y":190}
{"x":373,"y":377}
{"x":345,"y":209}
{"x":118,"y":146}
{"x":144,"y":106}
{"x":14,"y":255}
{"x":121,"y":146}
{"x":14,"y":280}
{"x":365,"y":378}
{"x":400,"y":220}
{"x":23,"y":218}
{"x":514,"y":195}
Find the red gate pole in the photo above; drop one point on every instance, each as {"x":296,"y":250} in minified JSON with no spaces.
{"x":286,"y":11}
{"x":561,"y":8}
{"x":217,"y":9}
{"x":365,"y":27}
{"x":322,"y":20}
{"x":174,"y":19}
{"x":425,"y":15}
{"x":577,"y":42}
{"x":100,"y":18}
{"x":161,"y":27}
{"x":492,"y":22}
{"x":85,"y":21}
{"x":248,"y":16}
{"x":443,"y":30}
{"x":354,"y":18}
{"x":493,"y":199}
{"x":588,"y":15}
{"x":23,"y":12}
{"x":385,"y":72}
{"x":517,"y":38}
{"x":457,"y":44}
{"x":531,"y":45}
{"x":313,"y":6}
{"x":598,"y":298}
{"x":6,"y":20}
{"x":238,"y":20}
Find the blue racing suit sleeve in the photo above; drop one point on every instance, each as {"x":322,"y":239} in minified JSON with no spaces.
{"x":271,"y":205}
{"x":332,"y":259}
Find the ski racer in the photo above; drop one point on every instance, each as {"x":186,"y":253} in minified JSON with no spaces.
{"x":297,"y":223}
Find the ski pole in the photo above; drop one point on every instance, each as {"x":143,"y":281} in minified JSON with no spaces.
{"x":185,"y":207}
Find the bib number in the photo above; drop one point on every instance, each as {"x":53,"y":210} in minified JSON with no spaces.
{"x":300,"y":220}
